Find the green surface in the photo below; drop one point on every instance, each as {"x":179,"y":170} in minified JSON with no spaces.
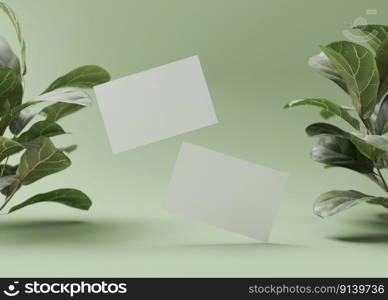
{"x":254,"y":55}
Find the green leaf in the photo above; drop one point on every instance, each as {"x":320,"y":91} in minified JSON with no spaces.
{"x":6,"y":181}
{"x":324,"y":129}
{"x":358,"y":69}
{"x":59,"y":110}
{"x":379,"y":201}
{"x":8,"y":147}
{"x":70,"y":197}
{"x":69,"y":149}
{"x":328,"y":106}
{"x":333,"y":202}
{"x":8,"y":59}
{"x":327,"y":114}
{"x":373,"y":34}
{"x":382,"y":65}
{"x":41,"y":128}
{"x":14,"y":19}
{"x":42,"y":161}
{"x":82,"y":77}
{"x":10,"y":115}
{"x":381,"y":119}
{"x":15,"y":97}
{"x":7,"y":171}
{"x":340,"y":152}
{"x":321,"y":63}
{"x":372,"y":146}
{"x":67,"y":95}
{"x":8,"y":81}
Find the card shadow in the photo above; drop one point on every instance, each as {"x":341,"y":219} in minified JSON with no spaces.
{"x":247,"y":246}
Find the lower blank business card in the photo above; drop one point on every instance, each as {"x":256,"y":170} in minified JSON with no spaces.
{"x":224,"y":191}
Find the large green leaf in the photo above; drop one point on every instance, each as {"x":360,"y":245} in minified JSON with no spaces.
{"x":41,"y":161}
{"x":340,"y":152}
{"x":328,"y":106}
{"x":70,"y":197}
{"x":321,"y":63}
{"x":14,"y":19}
{"x":373,"y":34}
{"x":82,"y":77}
{"x":382,"y":65}
{"x":10,"y":115}
{"x":41,"y":128}
{"x":358,"y":69}
{"x":333,"y":202}
{"x":8,"y":81}
{"x":8,"y":147}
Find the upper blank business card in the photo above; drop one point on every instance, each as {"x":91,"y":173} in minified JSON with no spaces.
{"x":155,"y":104}
{"x":224,"y":191}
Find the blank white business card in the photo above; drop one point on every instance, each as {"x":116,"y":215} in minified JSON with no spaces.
{"x":155,"y":104}
{"x":224,"y":191}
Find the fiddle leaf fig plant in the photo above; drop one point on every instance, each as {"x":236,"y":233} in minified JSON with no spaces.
{"x":361,"y":71}
{"x":29,"y":143}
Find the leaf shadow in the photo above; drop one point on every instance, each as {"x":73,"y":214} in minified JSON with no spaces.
{"x":379,"y":225}
{"x":65,"y":232}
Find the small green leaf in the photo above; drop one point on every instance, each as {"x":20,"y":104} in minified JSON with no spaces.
{"x":59,"y":110}
{"x":69,"y":149}
{"x":324,"y":128}
{"x":70,"y":197}
{"x":8,"y":147}
{"x":10,"y":115}
{"x":373,"y":34}
{"x":327,"y":114}
{"x":333,"y":202}
{"x":14,"y":19}
{"x":328,"y":106}
{"x":42,"y":161}
{"x":41,"y":128}
{"x":358,"y":69}
{"x":82,"y":77}
{"x":321,"y":63}
{"x":340,"y":152}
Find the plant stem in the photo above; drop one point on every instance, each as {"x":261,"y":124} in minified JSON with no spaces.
{"x":382,"y":179}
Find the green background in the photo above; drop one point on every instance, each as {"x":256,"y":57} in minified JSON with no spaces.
{"x":254,"y":55}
